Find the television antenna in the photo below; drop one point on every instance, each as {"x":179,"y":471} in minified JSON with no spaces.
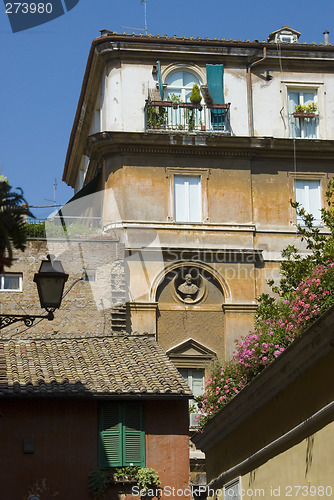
{"x":54,"y":193}
{"x":145,"y":20}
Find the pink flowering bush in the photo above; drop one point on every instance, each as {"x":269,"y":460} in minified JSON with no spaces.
{"x":272,"y":334}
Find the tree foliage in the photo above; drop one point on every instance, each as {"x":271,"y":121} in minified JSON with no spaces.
{"x":13,"y":212}
{"x":295,"y":267}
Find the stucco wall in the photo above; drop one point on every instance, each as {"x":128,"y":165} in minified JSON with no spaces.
{"x":303,"y":470}
{"x":128,"y":84}
{"x":65,"y":440}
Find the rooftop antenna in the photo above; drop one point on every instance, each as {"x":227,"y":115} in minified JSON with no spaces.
{"x":54,"y":193}
{"x":139,"y":29}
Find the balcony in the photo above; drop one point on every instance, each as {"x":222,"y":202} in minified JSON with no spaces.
{"x":186,"y":116}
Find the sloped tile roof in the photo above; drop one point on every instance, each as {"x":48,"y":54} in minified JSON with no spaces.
{"x":93,"y":366}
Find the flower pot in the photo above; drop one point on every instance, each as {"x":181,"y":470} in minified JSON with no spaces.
{"x":303,"y":115}
{"x":167,"y":104}
{"x":190,"y":105}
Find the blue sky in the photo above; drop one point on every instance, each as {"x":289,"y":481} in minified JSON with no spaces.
{"x":42,"y":69}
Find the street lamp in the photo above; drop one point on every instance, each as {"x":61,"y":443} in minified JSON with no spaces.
{"x":50,"y":281}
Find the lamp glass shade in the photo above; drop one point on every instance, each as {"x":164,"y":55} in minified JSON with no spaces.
{"x":50,"y":282}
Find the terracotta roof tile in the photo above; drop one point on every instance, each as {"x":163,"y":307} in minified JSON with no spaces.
{"x":111,"y":365}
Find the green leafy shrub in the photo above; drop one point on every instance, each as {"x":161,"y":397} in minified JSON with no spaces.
{"x":98,"y":482}
{"x":195,"y":96}
{"x":147,"y":478}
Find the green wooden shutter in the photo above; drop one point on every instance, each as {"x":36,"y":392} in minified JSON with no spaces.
{"x":133,"y":434}
{"x":161,"y":88}
{"x":110,"y":446}
{"x":215,"y":81}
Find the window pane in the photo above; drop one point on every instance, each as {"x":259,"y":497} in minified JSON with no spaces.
{"x":10,"y":282}
{"x":293,"y":101}
{"x":175,"y":79}
{"x":90,"y":275}
{"x":189,"y":79}
{"x":231,"y":491}
{"x":308,"y":97}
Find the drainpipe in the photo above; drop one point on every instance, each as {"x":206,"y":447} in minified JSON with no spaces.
{"x":250,"y":92}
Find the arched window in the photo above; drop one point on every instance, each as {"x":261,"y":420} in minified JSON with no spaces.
{"x":180,"y":83}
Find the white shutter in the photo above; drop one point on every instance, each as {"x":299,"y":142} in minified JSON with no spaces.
{"x":187,"y":198}
{"x":315,"y":201}
{"x":307,"y":194}
{"x":180,"y":200}
{"x":195,"y":199}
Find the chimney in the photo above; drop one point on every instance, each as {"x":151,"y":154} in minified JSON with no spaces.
{"x":326,"y":33}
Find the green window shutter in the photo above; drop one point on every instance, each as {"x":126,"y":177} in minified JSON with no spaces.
{"x":215,"y":79}
{"x":133,"y":434}
{"x":110,"y":451}
{"x":161,"y":88}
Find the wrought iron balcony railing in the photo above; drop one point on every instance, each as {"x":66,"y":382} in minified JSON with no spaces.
{"x":167,"y":115}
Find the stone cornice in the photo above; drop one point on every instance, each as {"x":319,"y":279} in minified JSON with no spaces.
{"x":206,"y":144}
{"x":240,"y":308}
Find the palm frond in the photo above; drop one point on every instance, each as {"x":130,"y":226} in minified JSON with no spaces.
{"x":13,"y":213}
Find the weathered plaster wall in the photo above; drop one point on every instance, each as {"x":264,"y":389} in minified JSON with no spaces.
{"x":65,"y":440}
{"x":127,"y":86}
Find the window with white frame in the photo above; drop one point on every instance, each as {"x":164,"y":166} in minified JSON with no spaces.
{"x":305,"y":124}
{"x":187,"y":198}
{"x":90,"y":275}
{"x":194,"y":377}
{"x":11,"y":282}
{"x":286,"y":38}
{"x":179,"y":84}
{"x":308,"y":195}
{"x":232,"y":490}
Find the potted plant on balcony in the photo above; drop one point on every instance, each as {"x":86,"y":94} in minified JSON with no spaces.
{"x":156,"y":114}
{"x":174,"y":100}
{"x":195,"y":96}
{"x":305,"y":111}
{"x":126,"y":474}
{"x":195,"y":99}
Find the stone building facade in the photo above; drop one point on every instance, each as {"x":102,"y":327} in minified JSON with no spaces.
{"x":202,"y":188}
